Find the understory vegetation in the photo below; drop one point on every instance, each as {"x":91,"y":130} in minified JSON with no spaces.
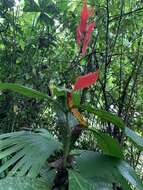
{"x":71,"y":95}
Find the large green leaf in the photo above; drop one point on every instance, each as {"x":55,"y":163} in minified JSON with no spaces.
{"x":108,"y":145}
{"x":91,"y":164}
{"x":23,"y":90}
{"x":22,"y":183}
{"x":30,"y":151}
{"x":48,"y":175}
{"x":27,"y":92}
{"x":106,"y":116}
{"x":77,"y":182}
{"x":94,"y":165}
{"x":138,"y":140}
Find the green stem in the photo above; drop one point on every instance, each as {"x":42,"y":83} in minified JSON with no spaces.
{"x":67,"y":142}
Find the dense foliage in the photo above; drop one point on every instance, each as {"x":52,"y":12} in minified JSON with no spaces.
{"x":84,"y":137}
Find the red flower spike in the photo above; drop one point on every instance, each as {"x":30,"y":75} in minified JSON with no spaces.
{"x":86,"y":80}
{"x":84,"y":17}
{"x":83,"y":31}
{"x":86,"y":40}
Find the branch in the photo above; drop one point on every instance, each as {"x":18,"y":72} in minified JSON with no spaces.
{"x":117,"y":33}
{"x":116,"y":17}
{"x":124,"y":92}
{"x":106,"y":55}
{"x":132,"y":90}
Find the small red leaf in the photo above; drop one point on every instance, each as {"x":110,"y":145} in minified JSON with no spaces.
{"x":86,"y":80}
{"x":86,"y":40}
{"x":84,"y":30}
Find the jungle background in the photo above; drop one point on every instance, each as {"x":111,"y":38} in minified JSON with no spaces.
{"x":38,"y":49}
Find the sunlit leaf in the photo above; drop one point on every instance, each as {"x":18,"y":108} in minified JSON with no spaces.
{"x":138,"y":140}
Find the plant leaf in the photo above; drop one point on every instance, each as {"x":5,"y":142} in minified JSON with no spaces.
{"x":108,"y":145}
{"x":23,"y":183}
{"x":31,"y":6}
{"x":106,"y":116}
{"x":59,"y":91}
{"x":77,"y":182}
{"x":94,"y":165}
{"x":30,"y":150}
{"x":76,"y":98}
{"x":138,"y":140}
{"x":86,"y":80}
{"x":48,"y":175}
{"x":129,"y":174}
{"x":23,"y":90}
{"x":27,"y":92}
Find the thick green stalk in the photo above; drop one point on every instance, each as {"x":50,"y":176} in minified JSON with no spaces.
{"x":67,"y":141}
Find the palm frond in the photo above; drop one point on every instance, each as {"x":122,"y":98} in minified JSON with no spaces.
{"x":26,"y":152}
{"x":23,"y":183}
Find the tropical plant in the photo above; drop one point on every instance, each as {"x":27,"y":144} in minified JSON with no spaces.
{"x":39,"y":159}
{"x":39,"y":154}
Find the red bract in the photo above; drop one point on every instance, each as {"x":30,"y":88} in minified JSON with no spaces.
{"x":86,"y":80}
{"x":86,"y":40}
{"x":84,"y":17}
{"x":83,"y":31}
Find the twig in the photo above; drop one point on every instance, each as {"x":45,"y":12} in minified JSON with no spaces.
{"x":115,"y":17}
